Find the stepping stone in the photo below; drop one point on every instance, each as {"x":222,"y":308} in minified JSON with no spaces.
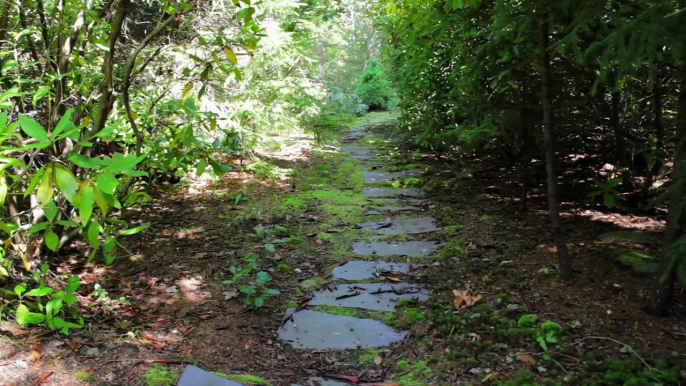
{"x":370,"y":296}
{"x":399,"y":227}
{"x":359,"y":150}
{"x":406,"y":248}
{"x":195,"y":376}
{"x":369,"y":157}
{"x":362,"y":270}
{"x":387,"y":209}
{"x":318,"y":381}
{"x":309,"y":329}
{"x":391,"y":192}
{"x":374,"y":177}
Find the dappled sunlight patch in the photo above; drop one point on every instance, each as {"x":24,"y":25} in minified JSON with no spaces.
{"x":192,"y":289}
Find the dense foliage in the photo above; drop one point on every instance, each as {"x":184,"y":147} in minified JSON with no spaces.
{"x":593,"y":82}
{"x":102,"y":99}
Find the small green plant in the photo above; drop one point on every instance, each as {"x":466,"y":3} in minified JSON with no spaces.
{"x":527,"y":320}
{"x":607,"y":190}
{"x":544,"y":271}
{"x":548,"y":333}
{"x":252,"y":286}
{"x":284,"y":268}
{"x":84,"y":377}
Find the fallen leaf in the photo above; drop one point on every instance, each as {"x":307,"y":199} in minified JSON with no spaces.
{"x":72,"y":344}
{"x":34,"y":356}
{"x":489,"y":377}
{"x":378,"y":360}
{"x":486,"y":279}
{"x":42,"y":378}
{"x":123,"y":325}
{"x":200,"y":255}
{"x":387,"y":383}
{"x":463,"y":299}
{"x":526,"y":358}
{"x":172,"y":289}
{"x":393,"y":278}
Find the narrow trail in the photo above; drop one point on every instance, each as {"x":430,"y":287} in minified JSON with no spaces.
{"x":383,"y":270}
{"x":375,"y":285}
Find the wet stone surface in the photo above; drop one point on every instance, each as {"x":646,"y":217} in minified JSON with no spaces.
{"x":391,"y":192}
{"x":362,"y":270}
{"x":360,"y":151}
{"x":370,"y":296}
{"x":399,"y":227}
{"x":374,"y":177}
{"x":318,"y":381}
{"x":406,"y":248}
{"x":195,"y":376}
{"x":308,"y":329}
{"x":389,"y":209}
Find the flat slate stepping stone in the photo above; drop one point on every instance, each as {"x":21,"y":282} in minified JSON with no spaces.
{"x":195,"y":376}
{"x":309,"y":329}
{"x":370,"y":296}
{"x":406,"y":248}
{"x":374,"y":177}
{"x":399,"y":227}
{"x":392,"y":192}
{"x":318,"y":381}
{"x":362,"y":270}
{"x":386,"y":209}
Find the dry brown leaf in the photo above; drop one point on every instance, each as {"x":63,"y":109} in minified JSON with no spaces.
{"x":378,"y":360}
{"x":464,"y":300}
{"x":35,"y":352}
{"x":486,"y":279}
{"x":393,"y":278}
{"x":124,"y":324}
{"x":526,"y":358}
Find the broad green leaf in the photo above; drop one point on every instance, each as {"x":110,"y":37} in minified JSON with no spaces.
{"x":67,"y":223}
{"x":135,"y":173}
{"x":93,"y":232}
{"x":106,"y":183}
{"x":41,"y":226}
{"x":609,"y":200}
{"x":66,"y":182}
{"x":186,"y":90}
{"x":231,"y":56}
{"x":100,"y":200}
{"x":458,"y":4}
{"x":133,"y":231}
{"x":86,"y":203}
{"x":201,"y":167}
{"x":45,"y":192}
{"x":51,"y":240}
{"x":3,"y":121}
{"x":51,"y":210}
{"x":33,"y":129}
{"x":26,"y":317}
{"x":41,"y":291}
{"x":42,"y":91}
{"x":3,"y":187}
{"x":73,"y":284}
{"x":20,"y":289}
{"x":83,"y":161}
{"x":100,"y":43}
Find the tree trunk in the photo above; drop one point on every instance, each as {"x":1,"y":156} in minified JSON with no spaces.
{"x":657,"y":154}
{"x":676,"y":221}
{"x":527,"y":147}
{"x":566,"y":271}
{"x":620,"y":139}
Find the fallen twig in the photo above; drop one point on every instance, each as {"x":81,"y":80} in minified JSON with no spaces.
{"x":625,"y":345}
{"x":349,"y":295}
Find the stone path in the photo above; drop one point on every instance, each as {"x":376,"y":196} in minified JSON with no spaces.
{"x":364,"y":284}
{"x":368,"y":287}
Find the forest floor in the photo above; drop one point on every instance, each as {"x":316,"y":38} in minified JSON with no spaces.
{"x":166,"y":305}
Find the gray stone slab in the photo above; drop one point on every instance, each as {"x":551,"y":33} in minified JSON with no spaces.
{"x":195,"y":376}
{"x":378,"y":158}
{"x":363,"y":151}
{"x":405,"y":248}
{"x":392,"y":192}
{"x":399,"y":227}
{"x":309,"y":329}
{"x":375,"y":177}
{"x":319,"y":381}
{"x":370,"y":296}
{"x":387,"y":209}
{"x":362,"y":270}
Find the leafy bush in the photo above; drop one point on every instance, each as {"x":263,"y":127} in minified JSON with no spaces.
{"x":343,"y":103}
{"x":375,"y":89}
